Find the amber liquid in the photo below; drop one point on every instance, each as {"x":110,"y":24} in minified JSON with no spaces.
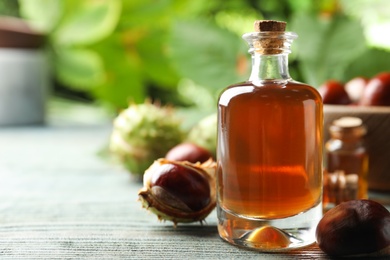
{"x":269,"y":150}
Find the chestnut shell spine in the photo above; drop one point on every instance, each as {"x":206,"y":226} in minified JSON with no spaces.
{"x":167,"y":205}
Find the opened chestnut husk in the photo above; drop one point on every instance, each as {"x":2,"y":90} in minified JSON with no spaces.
{"x":355,"y":228}
{"x":179,"y":191}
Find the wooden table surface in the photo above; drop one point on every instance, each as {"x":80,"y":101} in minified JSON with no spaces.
{"x":59,"y":199}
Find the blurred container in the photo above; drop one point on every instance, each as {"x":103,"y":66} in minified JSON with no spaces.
{"x":377,"y":139}
{"x":345,"y":176}
{"x":24,"y":74}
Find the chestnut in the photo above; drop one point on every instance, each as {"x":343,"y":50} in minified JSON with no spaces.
{"x":179,"y":191}
{"x":355,"y":227}
{"x":377,"y":91}
{"x":333,"y":92}
{"x":188,"y":186}
{"x":355,"y":88}
{"x":188,"y":152}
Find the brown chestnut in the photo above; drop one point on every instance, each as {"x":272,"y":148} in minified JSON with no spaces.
{"x":333,"y":92}
{"x":189,"y":186}
{"x":188,"y":152}
{"x":355,"y":227}
{"x":179,"y":191}
{"x":355,"y":88}
{"x":377,"y":91}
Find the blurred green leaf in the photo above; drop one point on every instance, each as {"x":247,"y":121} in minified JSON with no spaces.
{"x":368,"y":64}
{"x":300,"y":5}
{"x":325,"y":47}
{"x":9,"y":8}
{"x":124,"y":79}
{"x":129,"y":50}
{"x":91,"y":21}
{"x":206,"y":53}
{"x":123,"y":87}
{"x":368,"y":11}
{"x":145,"y":13}
{"x":81,"y":68}
{"x":374,"y":17}
{"x":42,"y":14}
{"x":153,"y":50}
{"x":238,"y":21}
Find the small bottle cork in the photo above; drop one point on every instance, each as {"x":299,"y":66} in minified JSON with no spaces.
{"x":269,"y":26}
{"x":269,"y":45}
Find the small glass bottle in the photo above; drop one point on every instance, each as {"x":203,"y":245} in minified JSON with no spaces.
{"x":269,"y":154}
{"x":346,"y":171}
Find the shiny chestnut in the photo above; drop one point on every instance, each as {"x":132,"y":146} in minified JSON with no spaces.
{"x":377,"y":91}
{"x":179,"y":191}
{"x":189,"y":186}
{"x":355,"y":88}
{"x":356,"y":227}
{"x":188,"y":152}
{"x":333,"y":92}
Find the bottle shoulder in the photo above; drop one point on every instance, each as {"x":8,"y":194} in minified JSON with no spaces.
{"x":272,"y":89}
{"x":269,"y":85}
{"x":334,"y":145}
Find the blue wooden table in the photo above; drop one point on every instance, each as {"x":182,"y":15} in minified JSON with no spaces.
{"x":60,"y":199}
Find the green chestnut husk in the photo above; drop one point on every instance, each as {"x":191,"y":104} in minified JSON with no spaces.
{"x":143,"y":132}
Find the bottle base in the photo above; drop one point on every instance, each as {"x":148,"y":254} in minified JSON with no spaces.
{"x":269,"y":235}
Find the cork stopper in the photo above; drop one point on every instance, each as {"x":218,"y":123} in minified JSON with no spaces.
{"x":348,"y":126}
{"x":269,"y":26}
{"x":348,"y":122}
{"x":269,"y":45}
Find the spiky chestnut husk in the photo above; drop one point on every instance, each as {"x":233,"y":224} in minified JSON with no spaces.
{"x":180,"y":192}
{"x":204,"y":133}
{"x":143,"y":132}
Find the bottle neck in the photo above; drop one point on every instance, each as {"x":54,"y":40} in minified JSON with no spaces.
{"x":272,"y":68}
{"x":348,"y":138}
{"x":269,"y":52}
{"x":352,"y":134}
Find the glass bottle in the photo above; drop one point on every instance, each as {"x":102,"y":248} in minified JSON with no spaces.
{"x":269,"y":155}
{"x":347,"y":162}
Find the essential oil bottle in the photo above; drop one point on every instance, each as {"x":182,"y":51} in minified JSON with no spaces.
{"x":345,"y":177}
{"x":269,"y":155}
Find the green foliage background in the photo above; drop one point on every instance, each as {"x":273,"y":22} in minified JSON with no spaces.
{"x":184,"y":52}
